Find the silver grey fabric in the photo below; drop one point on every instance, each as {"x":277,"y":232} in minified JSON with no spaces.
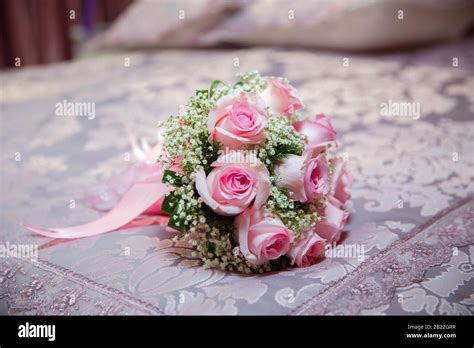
{"x":409,"y":172}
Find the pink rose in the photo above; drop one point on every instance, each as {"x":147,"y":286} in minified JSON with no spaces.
{"x":262,"y":238}
{"x":334,"y":219}
{"x":318,"y":131}
{"x":305,"y":177}
{"x":237,"y":120}
{"x":341,"y":183}
{"x":281,"y":97}
{"x":307,"y":250}
{"x":234,"y":184}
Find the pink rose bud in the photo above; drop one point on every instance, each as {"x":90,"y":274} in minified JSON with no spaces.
{"x":318,"y":131}
{"x":234,"y":184}
{"x":305,"y":177}
{"x":281,"y":97}
{"x":334,"y":219}
{"x":262,"y":237}
{"x":307,"y":250}
{"x":341,"y":183}
{"x":237,"y":120}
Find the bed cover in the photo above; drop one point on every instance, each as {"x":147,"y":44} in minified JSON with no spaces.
{"x":412,"y":205}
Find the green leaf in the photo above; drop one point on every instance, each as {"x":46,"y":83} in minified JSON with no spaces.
{"x":238,"y":84}
{"x":171,"y":178}
{"x":211,"y":247}
{"x":177,"y":223}
{"x":281,"y":263}
{"x":202,"y":91}
{"x":211,"y":155}
{"x":169,"y":203}
{"x":214,"y":86}
{"x":169,"y":206}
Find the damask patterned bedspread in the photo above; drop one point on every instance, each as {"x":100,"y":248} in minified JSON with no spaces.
{"x":406,"y":126}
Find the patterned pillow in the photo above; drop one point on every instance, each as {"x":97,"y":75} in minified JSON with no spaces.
{"x":344,"y":24}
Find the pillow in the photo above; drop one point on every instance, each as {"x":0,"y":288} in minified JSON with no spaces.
{"x":344,"y":24}
{"x":163,"y":23}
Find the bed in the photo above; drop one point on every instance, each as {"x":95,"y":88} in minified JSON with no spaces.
{"x":412,"y":204}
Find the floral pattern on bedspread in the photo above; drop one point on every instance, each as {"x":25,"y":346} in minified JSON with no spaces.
{"x":408,"y":171}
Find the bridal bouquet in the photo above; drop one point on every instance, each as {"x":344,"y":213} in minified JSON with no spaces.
{"x":242,"y":178}
{"x":253,"y":187}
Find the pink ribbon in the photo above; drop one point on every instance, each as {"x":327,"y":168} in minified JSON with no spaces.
{"x":143,"y":193}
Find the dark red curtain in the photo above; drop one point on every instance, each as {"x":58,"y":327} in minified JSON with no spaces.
{"x":39,"y":31}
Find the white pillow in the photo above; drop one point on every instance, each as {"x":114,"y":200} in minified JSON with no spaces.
{"x":344,"y":24}
{"x":164,"y":23}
